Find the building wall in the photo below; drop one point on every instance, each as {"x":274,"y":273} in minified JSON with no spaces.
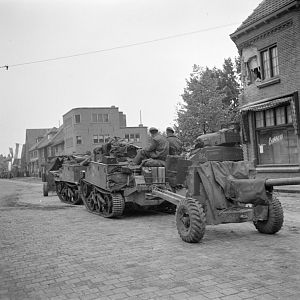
{"x":287,"y":39}
{"x":87,"y":128}
{"x":283,"y":31}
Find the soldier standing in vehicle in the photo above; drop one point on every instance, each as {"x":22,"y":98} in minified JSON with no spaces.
{"x":158,"y":148}
{"x":175,"y":144}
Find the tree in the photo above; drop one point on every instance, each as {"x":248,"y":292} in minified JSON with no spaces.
{"x":210,"y":100}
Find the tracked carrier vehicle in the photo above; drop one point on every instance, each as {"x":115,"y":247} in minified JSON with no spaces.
{"x":106,"y":188}
{"x":67,"y":183}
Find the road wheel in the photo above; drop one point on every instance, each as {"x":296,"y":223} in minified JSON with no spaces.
{"x":275,"y":218}
{"x":190,"y":220}
{"x":45,"y":189}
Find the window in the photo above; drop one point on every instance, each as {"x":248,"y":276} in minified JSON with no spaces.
{"x":78,"y":140}
{"x":105,"y":118}
{"x":132,"y":137}
{"x":269,"y":59}
{"x":100,"y":138}
{"x":259,"y":118}
{"x":77,"y":119}
{"x":95,"y":139}
{"x":270,"y":117}
{"x":280,"y":115}
{"x":99,"y":118}
{"x":289,"y":114}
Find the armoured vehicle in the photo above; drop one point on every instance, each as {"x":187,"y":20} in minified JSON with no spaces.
{"x":205,"y":192}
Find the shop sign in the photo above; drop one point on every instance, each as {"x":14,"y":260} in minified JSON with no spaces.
{"x":275,"y":139}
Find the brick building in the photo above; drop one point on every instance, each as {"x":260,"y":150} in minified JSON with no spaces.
{"x":40,"y":152}
{"x":86,"y":128}
{"x":269,"y":45}
{"x":32,"y":137}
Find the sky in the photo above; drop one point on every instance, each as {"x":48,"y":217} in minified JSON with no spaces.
{"x":145,"y":79}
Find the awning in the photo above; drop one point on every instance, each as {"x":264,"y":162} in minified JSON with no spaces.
{"x":266,"y":105}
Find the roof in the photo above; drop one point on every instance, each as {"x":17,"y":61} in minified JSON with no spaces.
{"x":44,"y":141}
{"x":33,"y":134}
{"x":91,"y":108}
{"x":58,"y":138}
{"x":264,"y":10}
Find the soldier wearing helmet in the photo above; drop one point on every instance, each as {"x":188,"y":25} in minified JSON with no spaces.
{"x":157,"y":149}
{"x":175,"y":144}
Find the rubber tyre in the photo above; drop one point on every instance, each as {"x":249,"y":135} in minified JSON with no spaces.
{"x":190,"y":220}
{"x":45,"y":189}
{"x":275,"y":218}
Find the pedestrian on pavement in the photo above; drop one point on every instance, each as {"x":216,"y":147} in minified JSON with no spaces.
{"x":175,"y":144}
{"x":157,"y":149}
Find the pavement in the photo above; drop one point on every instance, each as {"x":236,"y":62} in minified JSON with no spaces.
{"x":51,"y":250}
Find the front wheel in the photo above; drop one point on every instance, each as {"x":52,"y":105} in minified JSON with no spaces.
{"x":275,"y":218}
{"x":190,"y":220}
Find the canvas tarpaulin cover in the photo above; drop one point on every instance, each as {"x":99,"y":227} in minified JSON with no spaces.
{"x":230,"y":180}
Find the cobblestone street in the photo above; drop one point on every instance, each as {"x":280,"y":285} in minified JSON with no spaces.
{"x":51,"y":250}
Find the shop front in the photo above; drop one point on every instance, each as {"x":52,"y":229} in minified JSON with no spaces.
{"x":270,"y":131}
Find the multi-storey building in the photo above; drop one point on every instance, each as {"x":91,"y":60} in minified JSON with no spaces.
{"x":269,"y":45}
{"x":32,"y":137}
{"x":86,"y":128}
{"x":40,"y":152}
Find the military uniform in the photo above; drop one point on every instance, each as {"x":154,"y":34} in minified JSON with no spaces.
{"x":175,"y":144}
{"x":157,"y":149}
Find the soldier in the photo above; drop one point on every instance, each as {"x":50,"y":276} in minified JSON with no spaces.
{"x":158,"y":148}
{"x":175,"y":144}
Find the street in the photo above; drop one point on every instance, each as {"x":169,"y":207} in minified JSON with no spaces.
{"x":51,"y":250}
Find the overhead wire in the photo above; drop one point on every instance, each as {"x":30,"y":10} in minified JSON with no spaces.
{"x":116,"y":47}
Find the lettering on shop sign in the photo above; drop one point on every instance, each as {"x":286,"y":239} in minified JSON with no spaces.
{"x":275,"y":139}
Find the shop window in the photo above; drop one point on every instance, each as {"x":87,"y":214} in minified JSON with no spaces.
{"x":280,"y":115}
{"x":269,"y":59}
{"x":259,"y":118}
{"x":277,"y":146}
{"x":270,"y":117}
{"x":137,"y":137}
{"x":289,"y":114}
{"x":78,"y":140}
{"x":277,"y":116}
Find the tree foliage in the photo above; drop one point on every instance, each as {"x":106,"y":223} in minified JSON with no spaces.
{"x":210,"y":100}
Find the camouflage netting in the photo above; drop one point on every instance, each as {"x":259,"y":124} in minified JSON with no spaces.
{"x":116,"y":147}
